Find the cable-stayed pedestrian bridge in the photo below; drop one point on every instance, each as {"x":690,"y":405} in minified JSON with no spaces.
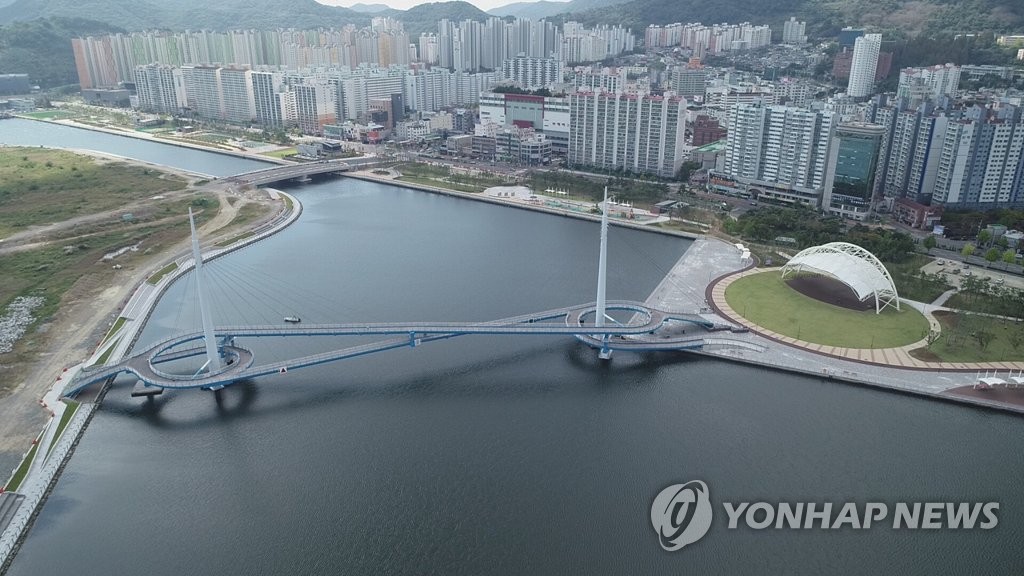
{"x":641,"y":333}
{"x":227,"y":361}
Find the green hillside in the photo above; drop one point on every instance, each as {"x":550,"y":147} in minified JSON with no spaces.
{"x":824,"y":17}
{"x":42,"y":48}
{"x":188,"y":14}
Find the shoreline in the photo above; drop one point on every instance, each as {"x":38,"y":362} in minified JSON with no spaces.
{"x":478,"y":196}
{"x":361,"y":176}
{"x":128,"y":133}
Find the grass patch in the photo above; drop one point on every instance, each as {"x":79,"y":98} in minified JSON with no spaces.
{"x":48,"y":115}
{"x":914,"y":284}
{"x":65,"y":418}
{"x":106,"y":354}
{"x":442,"y":184}
{"x":22,"y":471}
{"x":973,"y":338}
{"x":117,"y":326}
{"x":156,"y":278}
{"x":767,"y":301}
{"x":682,"y":226}
{"x":234,"y":239}
{"x":282,"y":153}
{"x":40,"y":186}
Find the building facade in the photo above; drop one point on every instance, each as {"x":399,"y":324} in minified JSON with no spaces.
{"x":640,"y":133}
{"x":863,"y":66}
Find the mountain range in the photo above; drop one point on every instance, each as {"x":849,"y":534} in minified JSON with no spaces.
{"x":549,"y":9}
{"x":824,"y":17}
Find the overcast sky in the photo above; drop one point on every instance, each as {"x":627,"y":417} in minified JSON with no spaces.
{"x":406,"y":4}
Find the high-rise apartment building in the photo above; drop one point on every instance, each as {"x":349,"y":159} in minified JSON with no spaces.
{"x":777,"y":152}
{"x":314,"y":105}
{"x":981,"y":163}
{"x":689,"y":81}
{"x":237,"y":95}
{"x":546,"y":115}
{"x":933,"y":82}
{"x":863,"y":66}
{"x":641,"y":133}
{"x":793,"y":32}
{"x":532,"y":73}
{"x":161,"y":89}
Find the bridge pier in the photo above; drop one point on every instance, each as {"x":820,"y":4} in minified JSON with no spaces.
{"x":606,"y":352}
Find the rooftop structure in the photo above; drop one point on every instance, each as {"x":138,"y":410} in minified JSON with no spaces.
{"x":852,"y":265}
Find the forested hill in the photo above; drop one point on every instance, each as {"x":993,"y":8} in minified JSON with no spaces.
{"x":188,"y":14}
{"x":825,"y":17}
{"x":42,"y":48}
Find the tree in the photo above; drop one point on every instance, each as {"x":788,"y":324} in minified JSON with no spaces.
{"x":1009,"y":257}
{"x":983,"y":338}
{"x":929,"y":243}
{"x":1016,"y":338}
{"x":1002,"y":242}
{"x":984,"y":237}
{"x":991,"y":255}
{"x":967,"y":250}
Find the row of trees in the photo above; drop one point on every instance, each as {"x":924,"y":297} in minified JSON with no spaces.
{"x":809,"y":229}
{"x":992,"y":255}
{"x":982,"y":295}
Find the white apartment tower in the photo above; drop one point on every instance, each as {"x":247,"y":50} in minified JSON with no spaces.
{"x":639,"y":133}
{"x":781,"y":151}
{"x":793,"y":32}
{"x":862,"y":69}
{"x":161,"y":89}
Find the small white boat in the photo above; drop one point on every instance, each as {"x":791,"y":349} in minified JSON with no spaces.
{"x":292,"y":319}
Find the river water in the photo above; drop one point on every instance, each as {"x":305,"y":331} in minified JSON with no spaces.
{"x":491,"y":455}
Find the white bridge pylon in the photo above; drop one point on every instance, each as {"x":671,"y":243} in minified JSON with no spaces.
{"x":212,"y":353}
{"x":601,"y":314}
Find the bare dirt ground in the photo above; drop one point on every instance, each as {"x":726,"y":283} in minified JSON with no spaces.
{"x":87,"y":310}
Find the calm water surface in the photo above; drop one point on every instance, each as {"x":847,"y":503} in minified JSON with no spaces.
{"x":495,"y":455}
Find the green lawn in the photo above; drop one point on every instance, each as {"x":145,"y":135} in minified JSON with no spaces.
{"x":960,"y":340}
{"x":281,"y":153}
{"x":441,"y":184}
{"x":117,"y":326}
{"x":48,"y":115}
{"x":40,"y":186}
{"x":106,"y":354}
{"x":156,"y":278}
{"x":64,"y":420}
{"x":19,"y":474}
{"x":234,"y":239}
{"x":767,"y":301}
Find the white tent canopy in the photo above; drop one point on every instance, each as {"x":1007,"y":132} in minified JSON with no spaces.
{"x":853,"y":266}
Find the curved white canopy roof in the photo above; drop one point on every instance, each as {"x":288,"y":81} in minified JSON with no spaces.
{"x":853,"y":266}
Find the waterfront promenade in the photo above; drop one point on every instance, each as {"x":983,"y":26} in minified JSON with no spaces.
{"x":698,"y":281}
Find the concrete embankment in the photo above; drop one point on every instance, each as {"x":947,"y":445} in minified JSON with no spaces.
{"x":512,"y":204}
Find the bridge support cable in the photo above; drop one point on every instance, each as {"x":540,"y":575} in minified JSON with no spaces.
{"x":212,"y":354}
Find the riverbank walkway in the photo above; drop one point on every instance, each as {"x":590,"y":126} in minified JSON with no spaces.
{"x":687,"y":286}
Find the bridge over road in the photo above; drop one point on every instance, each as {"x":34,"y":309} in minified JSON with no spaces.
{"x":291,"y":171}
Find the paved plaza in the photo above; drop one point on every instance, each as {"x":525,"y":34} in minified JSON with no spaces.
{"x":698,"y":281}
